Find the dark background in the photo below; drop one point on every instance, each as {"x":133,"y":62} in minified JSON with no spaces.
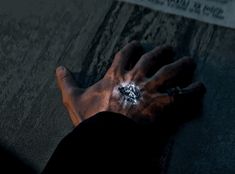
{"x":37,"y":36}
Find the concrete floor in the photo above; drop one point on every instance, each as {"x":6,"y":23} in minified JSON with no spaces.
{"x":37,"y":36}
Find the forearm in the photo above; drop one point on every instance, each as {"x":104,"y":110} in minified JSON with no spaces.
{"x":104,"y":141}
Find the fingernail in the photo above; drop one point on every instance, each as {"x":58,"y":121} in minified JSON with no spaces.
{"x":60,"y":70}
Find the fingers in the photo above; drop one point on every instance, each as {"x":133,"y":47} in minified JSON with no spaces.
{"x":195,"y":89}
{"x":64,"y":79}
{"x":170,"y":75}
{"x":66,"y":84}
{"x":127,"y":57}
{"x":69,"y":90}
{"x":191,"y":93}
{"x":150,"y":62}
{"x":180,"y":97}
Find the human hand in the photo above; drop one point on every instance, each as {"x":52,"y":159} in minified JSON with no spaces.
{"x":135,"y":85}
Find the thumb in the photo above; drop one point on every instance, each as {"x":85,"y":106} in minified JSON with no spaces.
{"x":69,"y":91}
{"x":65,"y":80}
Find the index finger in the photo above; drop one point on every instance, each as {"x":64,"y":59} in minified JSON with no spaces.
{"x":127,"y":57}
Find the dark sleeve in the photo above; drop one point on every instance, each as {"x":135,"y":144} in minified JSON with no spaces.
{"x":106,"y":142}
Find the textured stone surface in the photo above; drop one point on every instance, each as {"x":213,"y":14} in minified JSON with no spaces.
{"x":37,"y":36}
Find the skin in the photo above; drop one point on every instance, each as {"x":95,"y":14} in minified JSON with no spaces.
{"x":152,"y":72}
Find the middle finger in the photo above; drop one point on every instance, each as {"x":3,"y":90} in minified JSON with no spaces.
{"x":151,"y":61}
